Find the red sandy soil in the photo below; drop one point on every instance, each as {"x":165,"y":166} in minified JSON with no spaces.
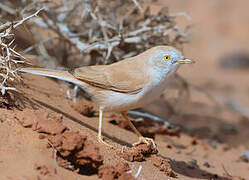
{"x":45,"y":136}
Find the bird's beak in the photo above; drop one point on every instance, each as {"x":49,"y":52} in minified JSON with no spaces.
{"x":185,"y":61}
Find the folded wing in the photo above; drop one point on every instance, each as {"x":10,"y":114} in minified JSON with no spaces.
{"x":119,"y":77}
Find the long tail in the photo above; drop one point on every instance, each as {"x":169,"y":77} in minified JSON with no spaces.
{"x":58,"y":74}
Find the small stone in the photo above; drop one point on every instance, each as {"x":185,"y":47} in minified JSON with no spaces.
{"x":194,"y":141}
{"x":206,"y":164}
{"x":169,"y":146}
{"x":42,"y":136}
{"x":244,"y":158}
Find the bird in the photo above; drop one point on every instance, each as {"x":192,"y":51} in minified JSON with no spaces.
{"x":124,"y":85}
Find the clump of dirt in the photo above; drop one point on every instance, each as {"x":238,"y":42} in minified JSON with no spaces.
{"x":138,"y":153}
{"x":147,"y":126}
{"x":86,"y":108}
{"x":72,"y":147}
{"x":143,"y":152}
{"x":78,"y":150}
{"x":41,"y":121}
{"x":122,"y":167}
{"x":119,"y":171}
{"x":43,"y":172}
{"x":163,"y":165}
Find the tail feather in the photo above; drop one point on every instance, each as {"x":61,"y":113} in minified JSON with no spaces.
{"x":58,"y":74}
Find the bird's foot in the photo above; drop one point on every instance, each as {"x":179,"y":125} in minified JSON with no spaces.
{"x":101,"y":140}
{"x":145,"y":140}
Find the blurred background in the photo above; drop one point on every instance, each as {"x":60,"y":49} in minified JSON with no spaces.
{"x":220,"y":44}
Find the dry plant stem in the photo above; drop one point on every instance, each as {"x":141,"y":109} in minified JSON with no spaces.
{"x":138,"y":171}
{"x":151,"y":116}
{"x":55,"y":153}
{"x":4,"y":27}
{"x":137,"y":4}
{"x":25,"y":19}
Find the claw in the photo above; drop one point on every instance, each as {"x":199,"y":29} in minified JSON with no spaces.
{"x":145,"y":140}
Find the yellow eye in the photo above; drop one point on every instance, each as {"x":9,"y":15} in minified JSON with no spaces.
{"x":166,"y":58}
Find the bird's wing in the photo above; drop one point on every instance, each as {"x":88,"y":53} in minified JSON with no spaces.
{"x":119,"y":77}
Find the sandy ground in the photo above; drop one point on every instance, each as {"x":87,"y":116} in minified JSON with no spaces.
{"x":52,"y":138}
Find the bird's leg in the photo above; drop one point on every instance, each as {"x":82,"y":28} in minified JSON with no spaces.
{"x":142,"y":139}
{"x":100,"y":137}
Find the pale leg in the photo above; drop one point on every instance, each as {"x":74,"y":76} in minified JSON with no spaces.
{"x":100,"y":138}
{"x":141,"y":139}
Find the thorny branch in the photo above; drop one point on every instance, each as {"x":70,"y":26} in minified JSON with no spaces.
{"x":9,"y":57}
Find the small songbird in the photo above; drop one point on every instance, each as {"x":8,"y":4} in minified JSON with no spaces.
{"x":124,"y":85}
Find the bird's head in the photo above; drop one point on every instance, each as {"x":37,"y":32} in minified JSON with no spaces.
{"x":166,"y":57}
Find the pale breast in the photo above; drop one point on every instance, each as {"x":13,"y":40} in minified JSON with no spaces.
{"x":116,"y":101}
{"x":158,"y":84}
